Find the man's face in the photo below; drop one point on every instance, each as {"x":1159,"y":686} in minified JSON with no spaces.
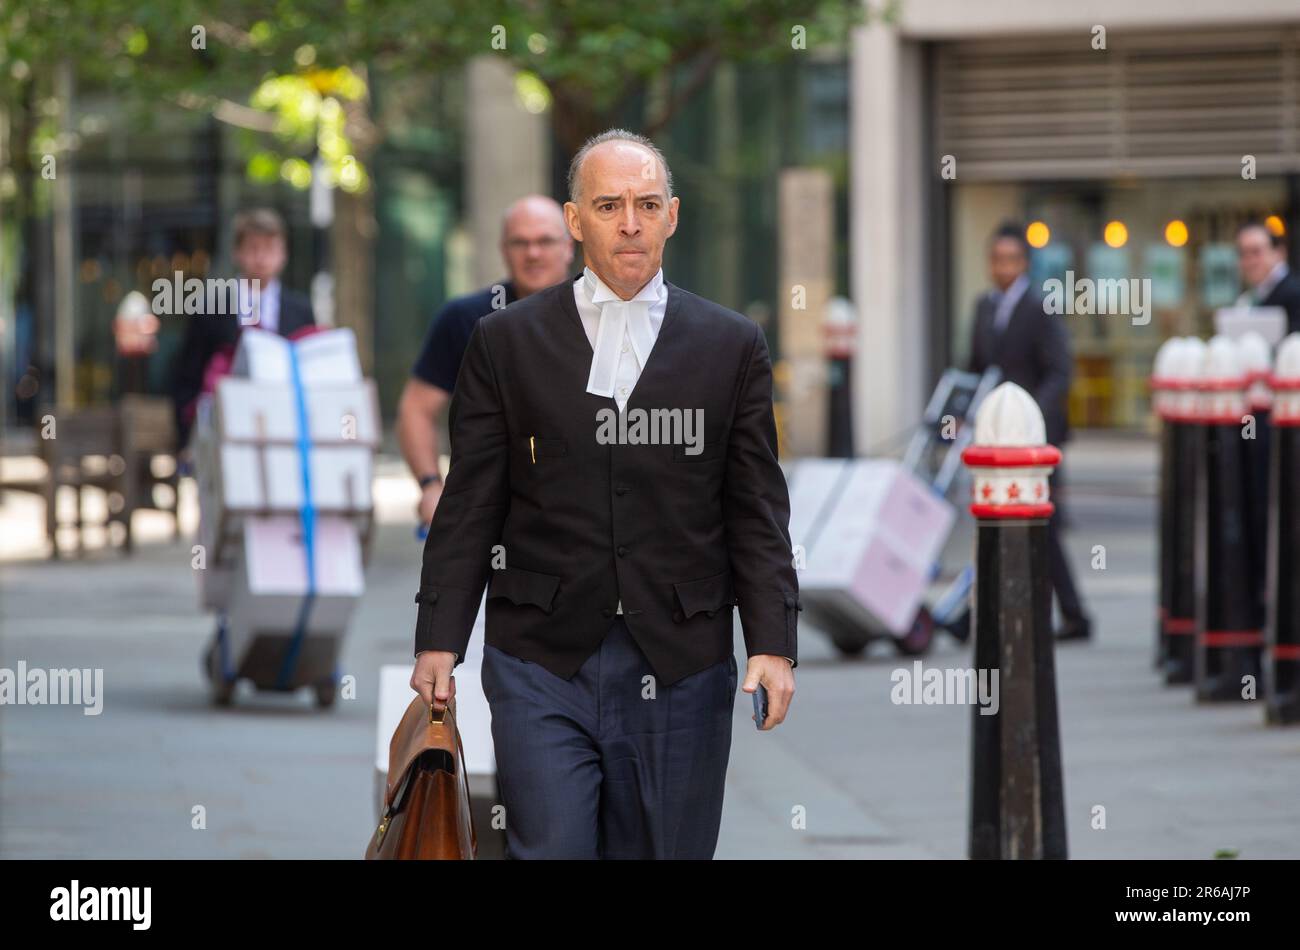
{"x":536,"y":248}
{"x":1006,"y":262}
{"x":260,"y":257}
{"x":623,"y":215}
{"x":1256,"y":255}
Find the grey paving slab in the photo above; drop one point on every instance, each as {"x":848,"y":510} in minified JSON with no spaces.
{"x":872,"y":779}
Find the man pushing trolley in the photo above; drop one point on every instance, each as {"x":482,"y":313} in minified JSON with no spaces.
{"x":283,"y":454}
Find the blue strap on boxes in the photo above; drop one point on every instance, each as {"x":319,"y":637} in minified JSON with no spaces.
{"x":308,"y":516}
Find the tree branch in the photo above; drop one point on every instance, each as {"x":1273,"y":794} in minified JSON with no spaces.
{"x":694,"y":82}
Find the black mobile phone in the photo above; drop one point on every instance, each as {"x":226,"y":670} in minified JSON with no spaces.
{"x":760,"y":706}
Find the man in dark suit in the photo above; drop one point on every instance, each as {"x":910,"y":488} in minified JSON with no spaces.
{"x":1261,"y":258}
{"x":1032,"y":349}
{"x":612,"y":556}
{"x":260,"y":254}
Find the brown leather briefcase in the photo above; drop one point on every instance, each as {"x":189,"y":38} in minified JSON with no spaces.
{"x":426,"y":805}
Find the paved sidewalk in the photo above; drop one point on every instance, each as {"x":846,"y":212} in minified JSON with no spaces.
{"x":279,"y":779}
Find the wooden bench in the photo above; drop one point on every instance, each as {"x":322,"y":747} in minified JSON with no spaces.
{"x":113,"y":450}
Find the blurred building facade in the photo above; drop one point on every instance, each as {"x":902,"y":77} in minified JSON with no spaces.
{"x":459,"y":146}
{"x":1075,"y":118}
{"x":874,"y":170}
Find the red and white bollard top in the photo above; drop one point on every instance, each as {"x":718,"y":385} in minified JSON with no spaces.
{"x":1164,"y":382}
{"x":1256,"y":361}
{"x":1010,"y":458}
{"x":1286,"y":383}
{"x":1222,"y":386}
{"x":1185,"y":367}
{"x":840,"y":329}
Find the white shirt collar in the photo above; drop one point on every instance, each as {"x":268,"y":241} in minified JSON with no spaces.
{"x":598,"y":291}
{"x":268,"y":303}
{"x":1275,"y":277}
{"x":614,"y":325}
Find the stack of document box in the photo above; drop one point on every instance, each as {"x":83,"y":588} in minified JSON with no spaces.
{"x":284,"y":463}
{"x":867,"y":533}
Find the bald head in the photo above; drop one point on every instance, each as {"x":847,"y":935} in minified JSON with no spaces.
{"x":535,"y":243}
{"x":653,"y":164}
{"x":622,"y":208}
{"x":528,"y":209}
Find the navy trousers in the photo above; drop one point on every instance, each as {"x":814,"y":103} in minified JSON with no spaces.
{"x":609,"y":764}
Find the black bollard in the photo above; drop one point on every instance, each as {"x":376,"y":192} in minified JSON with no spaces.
{"x":840,"y":332}
{"x":1017,"y":790}
{"x":1176,"y":650}
{"x":1229,"y":625}
{"x":1282,"y":627}
{"x":1255,"y":360}
{"x":1160,"y":385}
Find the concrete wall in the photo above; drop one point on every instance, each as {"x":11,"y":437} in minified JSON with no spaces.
{"x":887,"y":232}
{"x":951,"y":19}
{"x":889,"y":283}
{"x":507,"y":155}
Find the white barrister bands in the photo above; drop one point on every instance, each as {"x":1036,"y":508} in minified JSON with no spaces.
{"x":619,"y":319}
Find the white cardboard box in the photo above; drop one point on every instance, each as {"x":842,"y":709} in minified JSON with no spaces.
{"x":237,"y":476}
{"x":270,"y":578}
{"x":871,"y":532}
{"x":324,"y":358}
{"x":256,"y":479}
{"x":338,"y":413}
{"x":474,"y":717}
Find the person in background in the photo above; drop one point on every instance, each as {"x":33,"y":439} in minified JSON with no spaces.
{"x":260,"y":253}
{"x":1032,"y":349}
{"x":1261,"y":258}
{"x":537,"y":251}
{"x":626,"y":561}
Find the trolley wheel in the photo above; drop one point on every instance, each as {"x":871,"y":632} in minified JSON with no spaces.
{"x":220,"y":689}
{"x":223,"y":692}
{"x":326,"y":692}
{"x":917,"y":640}
{"x":848,"y":644}
{"x":959,"y":626}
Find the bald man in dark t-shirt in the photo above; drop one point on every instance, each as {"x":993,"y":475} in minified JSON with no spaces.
{"x":538,"y":251}
{"x":444,"y":344}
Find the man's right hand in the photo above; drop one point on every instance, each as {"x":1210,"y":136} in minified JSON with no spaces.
{"x":429,"y":502}
{"x":432,"y":677}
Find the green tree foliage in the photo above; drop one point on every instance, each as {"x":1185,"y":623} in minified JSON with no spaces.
{"x":294,"y":70}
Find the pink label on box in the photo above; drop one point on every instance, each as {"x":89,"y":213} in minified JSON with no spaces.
{"x":277,"y":562}
{"x":888,"y":586}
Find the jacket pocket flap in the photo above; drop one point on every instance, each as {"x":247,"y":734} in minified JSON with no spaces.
{"x":524,"y":587}
{"x":703,"y":452}
{"x":707,"y":595}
